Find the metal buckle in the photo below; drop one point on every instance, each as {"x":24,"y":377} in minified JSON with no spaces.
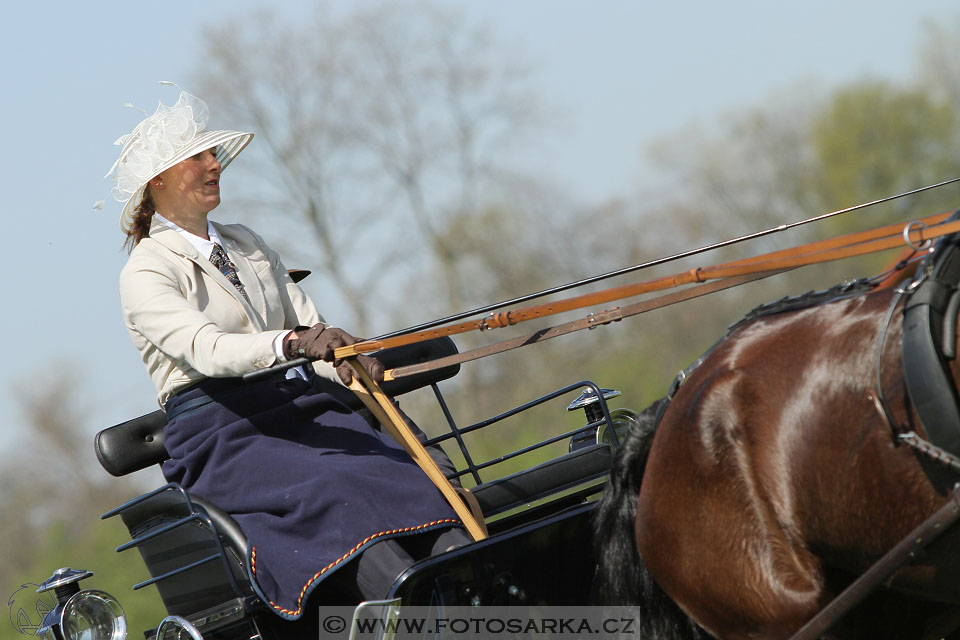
{"x":918,"y":279}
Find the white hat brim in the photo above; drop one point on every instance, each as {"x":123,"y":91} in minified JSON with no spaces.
{"x":230,"y":144}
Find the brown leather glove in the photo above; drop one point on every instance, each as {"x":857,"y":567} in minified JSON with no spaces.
{"x":319,"y":342}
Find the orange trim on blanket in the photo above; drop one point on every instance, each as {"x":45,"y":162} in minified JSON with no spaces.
{"x":316,"y":576}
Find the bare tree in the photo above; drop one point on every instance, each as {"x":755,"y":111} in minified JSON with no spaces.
{"x":749,"y":170}
{"x":379,"y":133}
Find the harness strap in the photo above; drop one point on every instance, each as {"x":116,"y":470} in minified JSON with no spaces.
{"x":879,"y":399}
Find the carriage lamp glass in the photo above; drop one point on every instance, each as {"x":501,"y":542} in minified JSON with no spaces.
{"x":89,"y":614}
{"x":93,"y":615}
{"x":620,"y":419}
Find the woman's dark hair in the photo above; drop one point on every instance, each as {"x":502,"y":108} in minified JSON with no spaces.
{"x":139,"y":227}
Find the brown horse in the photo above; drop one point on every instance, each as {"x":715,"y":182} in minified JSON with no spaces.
{"x":772,"y":480}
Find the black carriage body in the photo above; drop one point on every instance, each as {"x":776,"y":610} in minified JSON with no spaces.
{"x":539,"y":551}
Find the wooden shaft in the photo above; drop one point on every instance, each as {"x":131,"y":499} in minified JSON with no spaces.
{"x":391,"y":419}
{"x":851,"y":245}
{"x":880,"y":572}
{"x":592,"y":321}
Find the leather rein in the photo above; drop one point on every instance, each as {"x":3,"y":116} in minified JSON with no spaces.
{"x":724,"y":276}
{"x":705,"y":280}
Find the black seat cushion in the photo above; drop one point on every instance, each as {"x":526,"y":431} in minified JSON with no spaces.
{"x":545,"y":479}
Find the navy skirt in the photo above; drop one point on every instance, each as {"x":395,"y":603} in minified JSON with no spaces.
{"x":309,"y":481}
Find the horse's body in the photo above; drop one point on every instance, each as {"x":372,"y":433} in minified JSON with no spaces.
{"x":772,"y":480}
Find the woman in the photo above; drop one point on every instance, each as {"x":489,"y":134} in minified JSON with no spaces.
{"x":317,"y":490}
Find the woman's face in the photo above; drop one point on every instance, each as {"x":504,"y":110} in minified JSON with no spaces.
{"x":190,"y":187}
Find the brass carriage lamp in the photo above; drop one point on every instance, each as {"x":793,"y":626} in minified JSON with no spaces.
{"x":87,"y":614}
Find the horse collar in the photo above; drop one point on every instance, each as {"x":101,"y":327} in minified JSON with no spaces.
{"x":929,"y":344}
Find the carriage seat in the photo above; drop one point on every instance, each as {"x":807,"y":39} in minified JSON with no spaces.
{"x":138,"y":443}
{"x":194,"y":551}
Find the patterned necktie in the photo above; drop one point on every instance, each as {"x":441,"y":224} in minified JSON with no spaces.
{"x":227,"y":268}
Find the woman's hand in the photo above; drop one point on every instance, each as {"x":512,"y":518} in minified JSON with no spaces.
{"x":319,"y":343}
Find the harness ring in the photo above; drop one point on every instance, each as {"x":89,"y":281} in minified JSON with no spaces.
{"x":906,"y":236}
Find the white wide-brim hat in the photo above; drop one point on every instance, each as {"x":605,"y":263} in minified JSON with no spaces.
{"x":168,"y":137}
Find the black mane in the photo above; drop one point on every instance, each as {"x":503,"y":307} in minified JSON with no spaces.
{"x":808,"y":299}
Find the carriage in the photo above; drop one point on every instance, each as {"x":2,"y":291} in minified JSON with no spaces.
{"x":538,"y":518}
{"x":540,"y":549}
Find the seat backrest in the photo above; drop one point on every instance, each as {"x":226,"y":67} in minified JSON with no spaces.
{"x":132,"y":445}
{"x":137,"y":444}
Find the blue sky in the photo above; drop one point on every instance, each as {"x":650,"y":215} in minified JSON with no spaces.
{"x":619,"y":75}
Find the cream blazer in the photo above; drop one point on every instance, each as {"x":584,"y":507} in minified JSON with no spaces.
{"x":189,"y":323}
